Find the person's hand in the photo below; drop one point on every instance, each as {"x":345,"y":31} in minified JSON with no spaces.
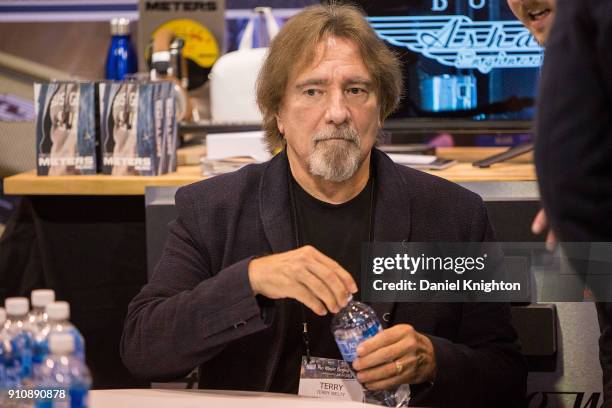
{"x":304,"y":274}
{"x":398,"y":355}
{"x":539,"y":225}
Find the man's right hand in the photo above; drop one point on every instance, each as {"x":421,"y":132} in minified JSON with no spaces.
{"x":304,"y":274}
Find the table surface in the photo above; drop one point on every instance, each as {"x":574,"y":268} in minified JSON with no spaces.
{"x":28,"y":183}
{"x":209,"y":398}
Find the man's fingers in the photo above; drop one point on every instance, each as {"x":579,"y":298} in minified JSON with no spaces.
{"x":392,"y":371}
{"x":317,"y":288}
{"x":305,"y":296}
{"x":540,"y":223}
{"x":343,"y":274}
{"x":384,"y":354}
{"x":385,"y":338}
{"x":331,"y":279}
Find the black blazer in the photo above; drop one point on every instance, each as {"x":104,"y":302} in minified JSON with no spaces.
{"x":574,"y":124}
{"x":199,"y":308}
{"x":574,"y":140}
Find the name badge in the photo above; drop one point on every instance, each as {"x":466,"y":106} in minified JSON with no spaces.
{"x":330,"y":379}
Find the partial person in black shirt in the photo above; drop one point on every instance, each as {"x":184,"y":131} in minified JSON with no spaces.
{"x":574,"y":140}
{"x":338,"y":231}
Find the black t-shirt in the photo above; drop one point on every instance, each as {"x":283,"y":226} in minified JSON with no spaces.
{"x":337,"y":230}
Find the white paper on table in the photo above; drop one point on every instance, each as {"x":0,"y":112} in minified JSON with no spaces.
{"x":409,"y":159}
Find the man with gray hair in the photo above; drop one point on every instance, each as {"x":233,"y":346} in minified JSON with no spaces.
{"x":258,"y":260}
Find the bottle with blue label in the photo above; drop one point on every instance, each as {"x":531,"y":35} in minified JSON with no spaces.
{"x":63,"y":379}
{"x":19,"y":343}
{"x":40,"y":326}
{"x":58,"y":314}
{"x":3,"y":357}
{"x":352,"y":325}
{"x":121,"y":58}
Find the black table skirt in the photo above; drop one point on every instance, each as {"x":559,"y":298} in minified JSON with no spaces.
{"x":92,"y":252}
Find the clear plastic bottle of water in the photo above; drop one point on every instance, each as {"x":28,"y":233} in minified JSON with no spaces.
{"x":38,"y":321}
{"x":40,"y":299}
{"x":58,"y":314}
{"x":19,"y":333}
{"x":352,"y":325}
{"x":63,"y":379}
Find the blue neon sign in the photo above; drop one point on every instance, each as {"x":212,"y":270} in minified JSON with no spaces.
{"x":458,"y":41}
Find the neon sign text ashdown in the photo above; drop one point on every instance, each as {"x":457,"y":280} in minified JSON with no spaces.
{"x":457,"y":41}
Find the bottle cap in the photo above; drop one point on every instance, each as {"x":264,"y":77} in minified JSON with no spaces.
{"x":42,"y":297}
{"x":16,"y":306}
{"x":58,"y":310}
{"x":2,"y":315}
{"x":61,"y":343}
{"x":120,"y":26}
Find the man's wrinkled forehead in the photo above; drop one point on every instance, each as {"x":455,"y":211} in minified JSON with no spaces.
{"x":312,"y":57}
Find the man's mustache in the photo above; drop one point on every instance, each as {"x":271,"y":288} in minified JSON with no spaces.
{"x":350,"y":135}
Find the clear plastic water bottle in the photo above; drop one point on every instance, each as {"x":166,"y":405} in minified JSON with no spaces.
{"x":352,"y":325}
{"x":121,"y":58}
{"x":19,"y":333}
{"x":58,"y":314}
{"x":63,"y":380}
{"x":40,"y":299}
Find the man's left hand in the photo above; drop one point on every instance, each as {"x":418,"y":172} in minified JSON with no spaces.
{"x":398,"y":355}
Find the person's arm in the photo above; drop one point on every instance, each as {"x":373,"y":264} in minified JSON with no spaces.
{"x":187,"y":313}
{"x":574,"y":122}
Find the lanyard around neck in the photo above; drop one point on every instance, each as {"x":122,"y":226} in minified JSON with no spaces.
{"x":298,"y":240}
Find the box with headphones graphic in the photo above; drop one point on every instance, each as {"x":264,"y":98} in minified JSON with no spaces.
{"x":130,"y":133}
{"x":66,"y":128}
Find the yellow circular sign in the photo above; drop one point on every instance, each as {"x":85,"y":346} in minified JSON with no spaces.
{"x":200,"y":45}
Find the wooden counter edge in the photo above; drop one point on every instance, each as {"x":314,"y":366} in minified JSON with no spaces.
{"x":104,"y":185}
{"x":29,"y":183}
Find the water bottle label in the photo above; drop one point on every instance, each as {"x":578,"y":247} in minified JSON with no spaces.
{"x":13,"y":374}
{"x":21,"y":346}
{"x":41,"y":349}
{"x":348,"y":349}
{"x":78,"y":397}
{"x":371,"y":331}
{"x":348,"y":340}
{"x":79,"y":345}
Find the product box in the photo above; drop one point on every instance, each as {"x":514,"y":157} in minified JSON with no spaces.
{"x":159,"y":101}
{"x":127,"y":128}
{"x":171,"y":131}
{"x":66,"y":128}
